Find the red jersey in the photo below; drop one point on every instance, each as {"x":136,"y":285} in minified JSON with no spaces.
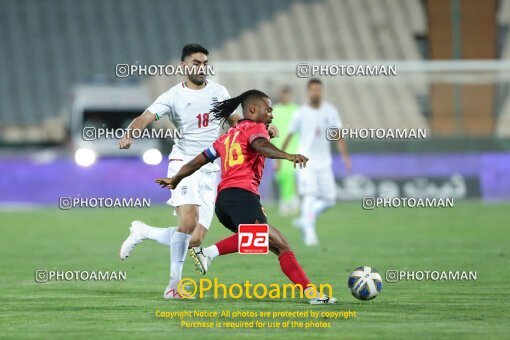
{"x":241,"y":165}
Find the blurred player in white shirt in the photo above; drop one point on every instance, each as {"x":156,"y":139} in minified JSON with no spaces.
{"x":187,"y":105}
{"x":316,"y":182}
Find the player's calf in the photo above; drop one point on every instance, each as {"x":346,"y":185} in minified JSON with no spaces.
{"x":278,"y":244}
{"x":292,"y":269}
{"x":198,"y":236}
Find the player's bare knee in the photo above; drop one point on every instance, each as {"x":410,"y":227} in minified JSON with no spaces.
{"x":187,"y":224}
{"x":188,"y":218}
{"x":186,"y":228}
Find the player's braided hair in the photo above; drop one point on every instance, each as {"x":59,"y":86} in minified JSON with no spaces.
{"x":222,"y":110}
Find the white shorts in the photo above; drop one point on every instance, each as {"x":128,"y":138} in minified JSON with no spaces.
{"x":317,"y":182}
{"x":197,"y":189}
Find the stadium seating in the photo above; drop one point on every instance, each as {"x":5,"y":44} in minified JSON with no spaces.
{"x":71,"y":44}
{"x":337,"y":36}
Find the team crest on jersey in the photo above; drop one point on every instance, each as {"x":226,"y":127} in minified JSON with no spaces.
{"x":184,"y":190}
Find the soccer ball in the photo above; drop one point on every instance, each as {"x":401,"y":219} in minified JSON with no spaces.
{"x":365,"y":283}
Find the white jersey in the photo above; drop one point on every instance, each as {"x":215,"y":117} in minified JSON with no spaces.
{"x":188,"y":110}
{"x":311,"y":125}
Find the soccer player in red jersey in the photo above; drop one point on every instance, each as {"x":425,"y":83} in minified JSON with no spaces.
{"x":243,"y":150}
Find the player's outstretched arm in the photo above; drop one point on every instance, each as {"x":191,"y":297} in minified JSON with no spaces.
{"x":139,"y":123}
{"x":186,"y":170}
{"x":266,"y":149}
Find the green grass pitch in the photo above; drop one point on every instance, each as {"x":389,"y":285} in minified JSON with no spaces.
{"x":471,"y":236}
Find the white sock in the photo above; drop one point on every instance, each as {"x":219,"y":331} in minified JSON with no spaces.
{"x":308,"y":212}
{"x":178,"y":247}
{"x":319,"y":205}
{"x":211,"y":251}
{"x":161,"y":235}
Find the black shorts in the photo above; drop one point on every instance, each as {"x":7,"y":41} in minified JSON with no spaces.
{"x":235,"y":206}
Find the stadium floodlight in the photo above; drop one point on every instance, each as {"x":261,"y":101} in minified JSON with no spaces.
{"x":152,"y":157}
{"x":85,"y":157}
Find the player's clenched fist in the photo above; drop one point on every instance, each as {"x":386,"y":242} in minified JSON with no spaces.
{"x":169,"y":183}
{"x":273,"y":131}
{"x":125,"y":142}
{"x":298,"y":159}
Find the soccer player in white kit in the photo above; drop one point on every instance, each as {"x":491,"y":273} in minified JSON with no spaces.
{"x":316,"y":182}
{"x":187,"y":105}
